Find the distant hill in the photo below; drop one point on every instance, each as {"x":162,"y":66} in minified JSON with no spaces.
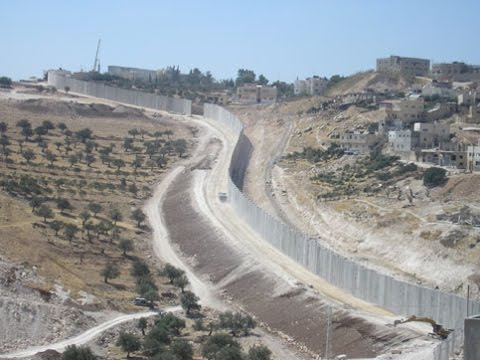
{"x":369,"y":80}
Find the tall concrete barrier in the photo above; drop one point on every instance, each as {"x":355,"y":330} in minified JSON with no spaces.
{"x":132,"y":97}
{"x":367,"y":284}
{"x":472,"y":338}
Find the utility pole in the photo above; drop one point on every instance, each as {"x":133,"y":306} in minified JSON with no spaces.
{"x":328,"y":345}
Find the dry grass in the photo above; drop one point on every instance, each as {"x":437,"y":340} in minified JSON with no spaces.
{"x":76,"y":266}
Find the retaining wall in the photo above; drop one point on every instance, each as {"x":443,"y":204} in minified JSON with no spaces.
{"x":367,"y":284}
{"x":132,"y":97}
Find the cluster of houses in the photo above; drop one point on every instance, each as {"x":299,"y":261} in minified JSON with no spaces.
{"x":417,"y":127}
{"x":246,"y":94}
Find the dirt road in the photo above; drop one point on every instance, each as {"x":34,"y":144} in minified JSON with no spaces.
{"x":218,"y":246}
{"x":86,"y":336}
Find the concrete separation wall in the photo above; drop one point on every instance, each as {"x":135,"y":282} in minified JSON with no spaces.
{"x":367,"y":284}
{"x":472,"y":338}
{"x":132,"y":97}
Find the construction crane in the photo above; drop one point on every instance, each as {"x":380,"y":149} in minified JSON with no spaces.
{"x":96,"y":63}
{"x":439,"y":332}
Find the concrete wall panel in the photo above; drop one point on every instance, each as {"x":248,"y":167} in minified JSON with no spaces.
{"x":367,"y":284}
{"x":132,"y":97}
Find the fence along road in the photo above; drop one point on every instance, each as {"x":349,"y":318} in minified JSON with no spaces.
{"x":367,"y":284}
{"x":132,"y":97}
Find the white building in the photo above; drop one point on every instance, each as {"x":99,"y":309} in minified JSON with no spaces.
{"x":300,"y":87}
{"x":310,"y":86}
{"x":400,"y":140}
{"x":473,"y":158}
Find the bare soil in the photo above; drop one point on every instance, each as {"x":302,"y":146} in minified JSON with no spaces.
{"x":290,"y":310}
{"x":384,"y":231}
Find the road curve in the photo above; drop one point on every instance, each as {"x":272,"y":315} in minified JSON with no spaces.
{"x":84,"y":337}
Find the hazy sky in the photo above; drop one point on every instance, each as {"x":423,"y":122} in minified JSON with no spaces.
{"x":277,"y":38}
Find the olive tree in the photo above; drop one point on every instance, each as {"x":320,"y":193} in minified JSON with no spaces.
{"x":110,"y":271}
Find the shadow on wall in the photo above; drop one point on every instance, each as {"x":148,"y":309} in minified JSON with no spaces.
{"x":240,"y":160}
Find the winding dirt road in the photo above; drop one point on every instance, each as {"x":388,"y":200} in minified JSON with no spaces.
{"x":86,"y":336}
{"x":255,"y":253}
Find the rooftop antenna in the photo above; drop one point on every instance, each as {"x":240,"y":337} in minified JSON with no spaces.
{"x":96,"y":64}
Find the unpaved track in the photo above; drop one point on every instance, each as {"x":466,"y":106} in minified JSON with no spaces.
{"x":224,"y":216}
{"x":246,"y":269}
{"x":163,"y":248}
{"x":86,"y":336}
{"x":168,"y":251}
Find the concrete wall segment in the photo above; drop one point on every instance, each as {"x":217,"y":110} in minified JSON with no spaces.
{"x":132,"y":97}
{"x":367,"y":284}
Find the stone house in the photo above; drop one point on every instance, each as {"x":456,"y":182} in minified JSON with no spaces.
{"x":404,"y":66}
{"x":359,"y":142}
{"x":256,"y":94}
{"x":432,"y":134}
{"x":407,"y":110}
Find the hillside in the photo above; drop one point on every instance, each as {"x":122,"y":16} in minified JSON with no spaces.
{"x":54,"y":244}
{"x":369,"y":80}
{"x":374,"y":209}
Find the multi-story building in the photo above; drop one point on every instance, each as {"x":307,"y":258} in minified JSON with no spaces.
{"x":310,"y":86}
{"x":473,"y":115}
{"x":473,"y":158}
{"x":467,"y":97}
{"x":359,"y":142}
{"x":300,"y":87}
{"x":439,"y":89}
{"x":132,"y":73}
{"x":407,"y":110}
{"x":432,"y":135}
{"x":445,"y":71}
{"x":401,"y":141}
{"x":441,"y":111}
{"x":456,"y":71}
{"x":448,"y":154}
{"x":403,"y":66}
{"x":256,"y":94}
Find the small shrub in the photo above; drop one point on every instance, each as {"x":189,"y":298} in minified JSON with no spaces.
{"x":434,"y":177}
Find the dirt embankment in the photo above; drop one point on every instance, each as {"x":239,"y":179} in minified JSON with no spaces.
{"x":76,"y":109}
{"x":32,"y":315}
{"x":292,"y":310}
{"x":386,"y":231}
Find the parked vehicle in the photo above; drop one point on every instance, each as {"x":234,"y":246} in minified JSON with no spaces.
{"x":139,"y":301}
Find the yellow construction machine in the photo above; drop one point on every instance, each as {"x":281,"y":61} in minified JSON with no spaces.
{"x":439,"y":332}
